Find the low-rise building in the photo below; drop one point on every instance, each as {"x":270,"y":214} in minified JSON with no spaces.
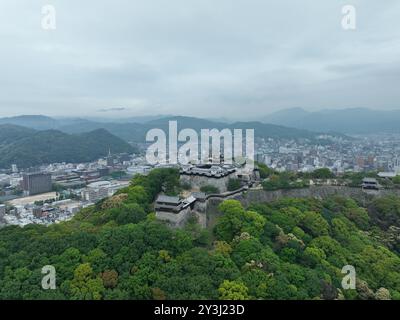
{"x":389,"y":174}
{"x":370,"y":184}
{"x":174,"y":210}
{"x":99,"y":190}
{"x":96,"y":191}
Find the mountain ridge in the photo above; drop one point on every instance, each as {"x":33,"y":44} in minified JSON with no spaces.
{"x":347,"y":121}
{"x":136,"y":132}
{"x":31,"y":147}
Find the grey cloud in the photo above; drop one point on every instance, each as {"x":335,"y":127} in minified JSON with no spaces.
{"x":244,"y":58}
{"x":112,"y":109}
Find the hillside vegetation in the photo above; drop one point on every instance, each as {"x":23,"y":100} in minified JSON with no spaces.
{"x":288,"y":249}
{"x":27,"y":147}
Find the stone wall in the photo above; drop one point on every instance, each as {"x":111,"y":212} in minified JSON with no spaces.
{"x":197,"y":181}
{"x":207,"y":211}
{"x":175,"y":220}
{"x":200,"y":211}
{"x":320,"y":192}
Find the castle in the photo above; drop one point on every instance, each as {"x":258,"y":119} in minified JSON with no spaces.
{"x":176,"y":211}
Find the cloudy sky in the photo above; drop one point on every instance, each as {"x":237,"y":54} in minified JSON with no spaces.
{"x":215,"y":58}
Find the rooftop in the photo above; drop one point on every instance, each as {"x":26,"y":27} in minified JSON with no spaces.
{"x":387,"y":174}
{"x":99,"y":184}
{"x":168,"y":199}
{"x":370,"y":180}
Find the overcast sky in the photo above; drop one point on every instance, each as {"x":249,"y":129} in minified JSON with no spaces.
{"x":214,"y":58}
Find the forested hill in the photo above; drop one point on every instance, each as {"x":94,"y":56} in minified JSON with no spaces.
{"x":27,"y":147}
{"x":137,"y":131}
{"x":288,"y":249}
{"x":134,"y":130}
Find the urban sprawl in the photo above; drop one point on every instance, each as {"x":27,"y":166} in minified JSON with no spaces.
{"x":55,"y":192}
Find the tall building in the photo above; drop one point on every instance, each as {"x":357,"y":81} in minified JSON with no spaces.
{"x":110,"y":159}
{"x":14,"y":168}
{"x":36,"y":183}
{"x":2,"y":210}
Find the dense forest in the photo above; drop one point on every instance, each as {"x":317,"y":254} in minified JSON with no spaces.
{"x":27,"y":147}
{"x":288,"y":249}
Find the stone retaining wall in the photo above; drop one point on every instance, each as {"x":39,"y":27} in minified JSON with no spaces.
{"x":320,"y":192}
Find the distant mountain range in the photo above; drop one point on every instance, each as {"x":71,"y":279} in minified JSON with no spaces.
{"x":135,"y":132}
{"x":355,"y":120}
{"x":28,"y":147}
{"x":31,"y":121}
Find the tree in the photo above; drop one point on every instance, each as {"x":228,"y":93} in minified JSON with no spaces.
{"x":97,"y":259}
{"x":110,"y":278}
{"x":66,"y":263}
{"x":253,"y":223}
{"x":233,"y":184}
{"x":265,"y":172}
{"x":359,"y":216}
{"x":323,"y":173}
{"x":257,"y":281}
{"x":396,"y":180}
{"x":382,"y":294}
{"x":222,"y":247}
{"x":329,"y":291}
{"x":84,"y":286}
{"x":385,"y":211}
{"x":236,"y":220}
{"x":334,"y":252}
{"x":363,"y":290}
{"x":314,"y":223}
{"x":247,"y":250}
{"x":231,"y":222}
{"x":313,"y":256}
{"x":158,"y":294}
{"x":128,"y":213}
{"x":284,"y":180}
{"x":275,"y":182}
{"x":233,"y":290}
{"x":209,"y":189}
{"x":164,"y":255}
